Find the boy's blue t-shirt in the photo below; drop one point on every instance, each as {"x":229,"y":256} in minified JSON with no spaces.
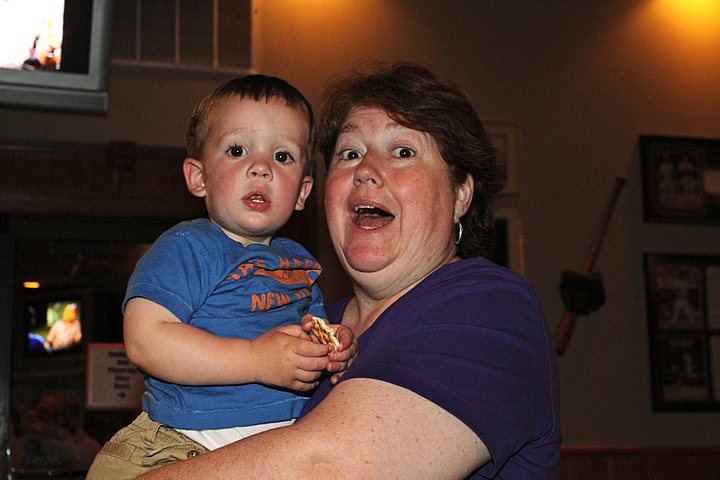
{"x":211,"y":282}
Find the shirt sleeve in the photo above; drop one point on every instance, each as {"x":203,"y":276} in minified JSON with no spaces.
{"x":173,"y":273}
{"x":317,"y":305}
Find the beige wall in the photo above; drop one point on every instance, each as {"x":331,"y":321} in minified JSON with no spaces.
{"x":580,"y":79}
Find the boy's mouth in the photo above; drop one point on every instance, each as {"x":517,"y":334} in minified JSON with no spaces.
{"x":256,"y":201}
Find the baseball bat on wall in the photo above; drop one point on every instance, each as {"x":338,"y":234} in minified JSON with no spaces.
{"x":582,"y":292}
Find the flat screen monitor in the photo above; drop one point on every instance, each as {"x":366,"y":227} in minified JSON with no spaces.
{"x":55,"y":54}
{"x":52,"y":329}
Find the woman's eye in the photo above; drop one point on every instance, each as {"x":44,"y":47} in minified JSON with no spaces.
{"x":283,"y":157}
{"x":236,"y":151}
{"x":349,"y":154}
{"x":404,"y":152}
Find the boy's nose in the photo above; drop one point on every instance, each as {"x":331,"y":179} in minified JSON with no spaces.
{"x":260,"y":169}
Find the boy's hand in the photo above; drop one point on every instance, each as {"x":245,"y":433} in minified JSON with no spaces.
{"x":286,"y":357}
{"x":338,"y":359}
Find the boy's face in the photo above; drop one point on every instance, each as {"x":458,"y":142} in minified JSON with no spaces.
{"x":252,"y":170}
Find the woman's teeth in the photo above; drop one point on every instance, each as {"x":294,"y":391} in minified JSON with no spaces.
{"x":370,"y":217}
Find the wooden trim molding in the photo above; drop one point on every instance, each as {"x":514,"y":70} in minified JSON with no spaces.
{"x":631,"y":462}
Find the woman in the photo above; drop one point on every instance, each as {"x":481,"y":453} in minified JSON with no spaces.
{"x":456,"y":376}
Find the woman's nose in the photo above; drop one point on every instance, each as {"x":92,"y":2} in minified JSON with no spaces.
{"x":367,"y":172}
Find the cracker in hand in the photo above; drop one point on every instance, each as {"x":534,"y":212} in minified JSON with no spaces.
{"x":324,"y":333}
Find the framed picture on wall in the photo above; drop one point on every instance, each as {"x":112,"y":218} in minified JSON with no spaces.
{"x":504,"y":138}
{"x":681,"y":179}
{"x":683,"y":310}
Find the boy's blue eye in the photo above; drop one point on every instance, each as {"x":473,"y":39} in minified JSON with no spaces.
{"x":236,"y":150}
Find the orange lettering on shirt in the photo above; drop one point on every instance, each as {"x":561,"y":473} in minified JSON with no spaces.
{"x":284,"y":262}
{"x":270,"y":301}
{"x":257,"y":302}
{"x":304,"y":293}
{"x":266,"y":301}
{"x":245,"y":268}
{"x":282,"y":299}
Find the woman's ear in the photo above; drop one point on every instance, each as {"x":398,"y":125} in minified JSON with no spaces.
{"x":305,"y":189}
{"x":463,"y":196}
{"x":194,"y":176}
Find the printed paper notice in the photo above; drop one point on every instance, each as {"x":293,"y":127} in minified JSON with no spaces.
{"x":113,"y":383}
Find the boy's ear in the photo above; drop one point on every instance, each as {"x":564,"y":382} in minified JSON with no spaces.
{"x":305,"y":189}
{"x":194,"y":176}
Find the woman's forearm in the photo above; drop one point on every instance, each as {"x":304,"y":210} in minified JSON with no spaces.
{"x":363,"y":429}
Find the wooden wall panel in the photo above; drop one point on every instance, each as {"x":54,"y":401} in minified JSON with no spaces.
{"x":632,"y":463}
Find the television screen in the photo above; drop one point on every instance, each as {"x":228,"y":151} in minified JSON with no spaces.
{"x":33,"y":40}
{"x":55,"y":53}
{"x":53,"y":326}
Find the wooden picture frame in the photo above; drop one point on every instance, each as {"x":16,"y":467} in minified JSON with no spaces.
{"x":508,"y":246}
{"x":683,"y":313}
{"x":504,"y":138}
{"x":681,"y":179}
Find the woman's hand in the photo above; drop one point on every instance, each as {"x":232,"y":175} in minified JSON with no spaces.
{"x":338,"y":360}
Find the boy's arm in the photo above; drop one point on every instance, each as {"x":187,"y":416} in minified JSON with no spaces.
{"x":158,"y":343}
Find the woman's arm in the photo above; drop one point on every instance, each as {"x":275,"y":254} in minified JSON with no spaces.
{"x":158,"y":343}
{"x":364,"y":429}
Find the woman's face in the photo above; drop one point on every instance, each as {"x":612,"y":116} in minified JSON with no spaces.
{"x":390,"y":203}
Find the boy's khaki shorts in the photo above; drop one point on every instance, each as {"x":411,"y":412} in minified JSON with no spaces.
{"x":140,"y":447}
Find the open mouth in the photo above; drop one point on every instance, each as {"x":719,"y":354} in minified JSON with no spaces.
{"x":256,"y":198}
{"x":370,"y":217}
{"x":256,"y":201}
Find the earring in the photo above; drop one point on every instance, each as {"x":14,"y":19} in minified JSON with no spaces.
{"x":458,"y":238}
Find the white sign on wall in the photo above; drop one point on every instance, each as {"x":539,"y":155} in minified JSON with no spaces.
{"x":113,"y":383}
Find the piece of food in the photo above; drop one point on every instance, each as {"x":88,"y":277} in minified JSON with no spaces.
{"x":324,"y":333}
